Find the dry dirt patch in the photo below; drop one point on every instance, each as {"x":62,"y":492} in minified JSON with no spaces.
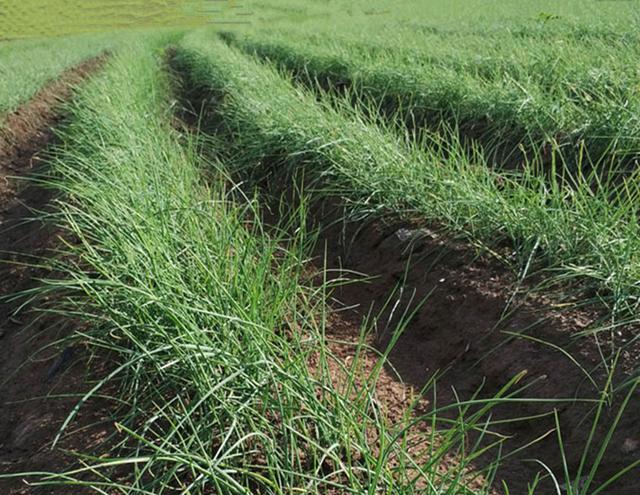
{"x":30,"y":373}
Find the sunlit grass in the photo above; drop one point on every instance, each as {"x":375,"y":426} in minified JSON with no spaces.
{"x":209,"y":324}
{"x":26,"y":66}
{"x":208,"y":316}
{"x":34,"y":18}
{"x":580,"y":234}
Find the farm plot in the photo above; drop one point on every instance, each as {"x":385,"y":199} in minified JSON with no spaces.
{"x":573,"y":229}
{"x":197,"y":308}
{"x":290,"y":135}
{"x":289,"y":265}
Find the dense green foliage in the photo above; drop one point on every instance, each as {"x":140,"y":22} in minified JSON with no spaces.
{"x":578,"y":232}
{"x":198,"y":303}
{"x":214,"y":322}
{"x":505,"y":91}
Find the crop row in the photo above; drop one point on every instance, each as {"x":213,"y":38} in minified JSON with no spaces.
{"x":207,"y":316}
{"x":526,"y":94}
{"x":575,"y":231}
{"x":208,"y":320}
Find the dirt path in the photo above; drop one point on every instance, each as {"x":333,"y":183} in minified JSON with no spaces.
{"x":29,"y":420}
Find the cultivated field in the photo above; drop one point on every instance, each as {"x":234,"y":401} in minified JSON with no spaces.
{"x":324,"y":248}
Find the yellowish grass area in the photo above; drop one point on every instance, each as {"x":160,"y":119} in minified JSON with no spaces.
{"x":37,"y":18}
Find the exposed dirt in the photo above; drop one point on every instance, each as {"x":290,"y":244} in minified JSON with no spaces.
{"x":31,"y":373}
{"x":459,"y":310}
{"x":353,"y":368}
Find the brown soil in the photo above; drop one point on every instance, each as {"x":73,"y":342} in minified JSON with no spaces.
{"x":393,"y":398}
{"x":32,"y":369}
{"x":461,"y":328}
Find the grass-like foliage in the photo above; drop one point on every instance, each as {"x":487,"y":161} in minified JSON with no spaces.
{"x":517,"y":132}
{"x":562,"y":222}
{"x":210,"y":327}
{"x":515,"y":94}
{"x":25,"y":66}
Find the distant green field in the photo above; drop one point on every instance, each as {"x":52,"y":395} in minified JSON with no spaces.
{"x":35,"y":18}
{"x":366,"y":17}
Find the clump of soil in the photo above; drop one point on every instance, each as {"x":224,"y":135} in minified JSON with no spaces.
{"x":33,"y":370}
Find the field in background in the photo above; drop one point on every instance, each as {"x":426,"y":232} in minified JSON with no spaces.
{"x":330,"y":246}
{"x":34,"y":18}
